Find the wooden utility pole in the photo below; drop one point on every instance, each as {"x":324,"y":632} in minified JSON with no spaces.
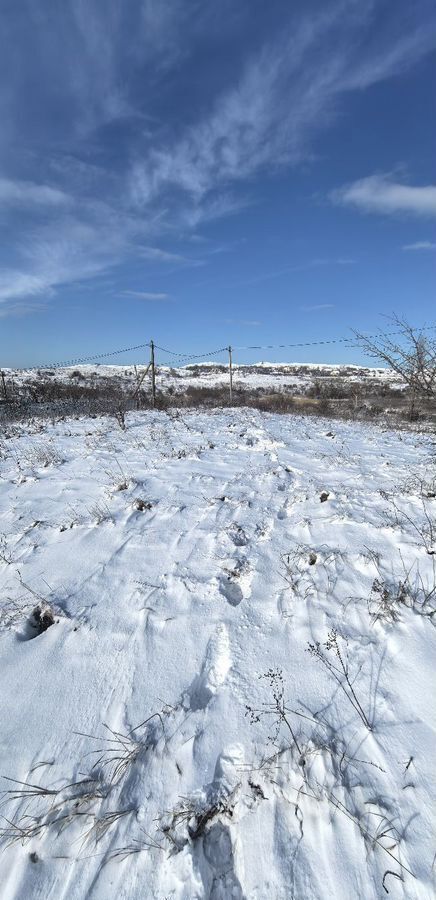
{"x":230,"y":373}
{"x":4,"y":385}
{"x":153,"y":374}
{"x":139,"y":379}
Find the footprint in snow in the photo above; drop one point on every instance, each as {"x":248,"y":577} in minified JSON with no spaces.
{"x":228,"y":768}
{"x":219,"y":853}
{"x":218,"y":847}
{"x":237,"y":535}
{"x":263,"y":530}
{"x":214,"y":670}
{"x":209,"y":835}
{"x":231,"y":590}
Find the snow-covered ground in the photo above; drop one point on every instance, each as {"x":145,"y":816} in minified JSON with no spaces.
{"x":235,"y":698}
{"x":296,"y":376}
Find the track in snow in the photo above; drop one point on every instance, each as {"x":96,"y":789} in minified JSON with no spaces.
{"x":230,"y":566}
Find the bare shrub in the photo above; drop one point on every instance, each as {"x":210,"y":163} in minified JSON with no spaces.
{"x":120,"y":417}
{"x":44,"y":455}
{"x":137,"y":845}
{"x":100,"y":512}
{"x":410,"y":353}
{"x":334,"y":396}
{"x":48,"y":807}
{"x":277,"y":708}
{"x":330,"y":389}
{"x":411,"y":591}
{"x":424,"y":528}
{"x":193,"y":816}
{"x":6,"y":555}
{"x":12,"y":612}
{"x":119,"y":752}
{"x":42,"y":807}
{"x":377,"y":828}
{"x":338,"y":667}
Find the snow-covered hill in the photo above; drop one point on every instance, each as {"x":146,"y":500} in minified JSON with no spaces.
{"x":298,"y":376}
{"x":234,"y":698}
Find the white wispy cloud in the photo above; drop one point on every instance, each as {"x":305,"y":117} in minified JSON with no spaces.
{"x":84,"y":240}
{"x":327,"y":261}
{"x":249,"y":323}
{"x":61,"y":252}
{"x":156,"y":254}
{"x":173,"y":175}
{"x":228,"y":247}
{"x":286,"y":93}
{"x":387,"y":59}
{"x":381,"y":194}
{"x":299,"y":267}
{"x":145,"y":295}
{"x":25,"y":193}
{"x":102,"y":46}
{"x":21,"y":309}
{"x":421,"y":245}
{"x":15,"y":284}
{"x":317,"y":306}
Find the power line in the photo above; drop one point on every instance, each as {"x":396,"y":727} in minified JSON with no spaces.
{"x":187,"y":357}
{"x":84,"y":359}
{"x":342,"y":340}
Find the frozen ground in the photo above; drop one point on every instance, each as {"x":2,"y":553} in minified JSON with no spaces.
{"x":172,"y":735}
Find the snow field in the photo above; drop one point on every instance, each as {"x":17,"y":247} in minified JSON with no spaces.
{"x":183,"y":740}
{"x":278,"y":376}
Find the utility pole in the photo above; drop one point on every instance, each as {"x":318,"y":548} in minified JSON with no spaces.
{"x":230,"y":374}
{"x":4,"y":385}
{"x":139,"y":379}
{"x":153,"y":374}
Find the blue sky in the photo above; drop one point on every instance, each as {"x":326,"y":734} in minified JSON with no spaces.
{"x":211,"y":173}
